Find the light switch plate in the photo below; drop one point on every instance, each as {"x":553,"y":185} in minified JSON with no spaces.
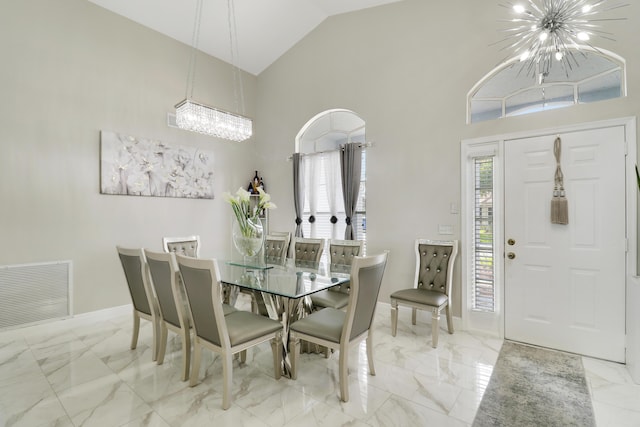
{"x":445,"y":229}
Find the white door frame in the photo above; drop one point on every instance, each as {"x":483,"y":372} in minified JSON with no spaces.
{"x":493,"y":323}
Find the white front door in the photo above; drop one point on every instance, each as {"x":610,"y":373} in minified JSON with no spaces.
{"x":565,"y":285}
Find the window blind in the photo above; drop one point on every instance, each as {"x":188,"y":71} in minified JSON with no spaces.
{"x":483,"y":269}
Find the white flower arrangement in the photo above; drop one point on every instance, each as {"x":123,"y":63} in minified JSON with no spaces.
{"x":244,"y":212}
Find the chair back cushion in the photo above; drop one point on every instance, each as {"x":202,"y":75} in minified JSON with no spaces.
{"x":133,"y":270}
{"x":364,"y":294}
{"x":308,"y":250}
{"x":434,"y":263}
{"x":342,"y":253}
{"x":275,"y":248}
{"x":160,"y":272}
{"x":187,"y":246}
{"x":199,"y":286}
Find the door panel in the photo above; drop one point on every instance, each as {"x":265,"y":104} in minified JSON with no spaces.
{"x":565,"y":288}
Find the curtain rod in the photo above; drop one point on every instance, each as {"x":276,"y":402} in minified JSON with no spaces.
{"x":362,"y":145}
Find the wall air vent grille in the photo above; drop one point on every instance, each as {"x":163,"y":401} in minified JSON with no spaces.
{"x":34,"y":292}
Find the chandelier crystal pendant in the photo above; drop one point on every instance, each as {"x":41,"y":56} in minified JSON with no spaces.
{"x":548,"y":31}
{"x":197,"y":117}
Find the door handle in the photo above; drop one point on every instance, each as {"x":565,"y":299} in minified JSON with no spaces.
{"x":511,"y":255}
{"x":511,"y":242}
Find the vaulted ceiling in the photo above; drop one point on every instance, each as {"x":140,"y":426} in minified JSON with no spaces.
{"x":266,"y":29}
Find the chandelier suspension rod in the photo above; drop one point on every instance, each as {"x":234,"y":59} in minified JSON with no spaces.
{"x":195,"y":40}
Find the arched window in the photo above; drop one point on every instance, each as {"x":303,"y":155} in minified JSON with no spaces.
{"x":320,"y":141}
{"x":510,"y":89}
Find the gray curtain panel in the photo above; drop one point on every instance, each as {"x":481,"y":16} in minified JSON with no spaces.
{"x":298,"y":191}
{"x":351,"y":167}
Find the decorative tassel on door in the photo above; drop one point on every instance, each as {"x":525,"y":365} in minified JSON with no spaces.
{"x":559,"y":204}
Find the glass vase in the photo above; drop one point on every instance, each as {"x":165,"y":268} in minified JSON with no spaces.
{"x":248,"y":236}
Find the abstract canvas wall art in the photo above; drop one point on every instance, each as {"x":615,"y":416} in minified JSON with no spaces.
{"x":146,"y":167}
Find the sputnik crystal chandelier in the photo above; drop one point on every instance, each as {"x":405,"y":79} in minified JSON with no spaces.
{"x":548,"y":31}
{"x":197,"y":117}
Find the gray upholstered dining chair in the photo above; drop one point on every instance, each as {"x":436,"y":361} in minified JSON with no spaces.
{"x":173,"y":314}
{"x":275,"y":249}
{"x":144,"y":302}
{"x":338,"y":329}
{"x":432,"y":285}
{"x":227,"y":335}
{"x":307,"y":251}
{"x":188,"y":245}
{"x":286,"y":235}
{"x":341,"y":256}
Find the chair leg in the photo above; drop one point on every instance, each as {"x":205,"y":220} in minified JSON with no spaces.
{"x":136,"y":330}
{"x":435,"y":320}
{"x":344,"y":372}
{"x":394,"y":317}
{"x":156,"y":337}
{"x":162,"y":343}
{"x":254,"y":304}
{"x":195,"y":369}
{"x":276,"y":349}
{"x":186,"y":353}
{"x":372,"y":369}
{"x":294,"y":350}
{"x":449,"y":320}
{"x":414,"y":312}
{"x":227,"y":367}
{"x":243,"y":356}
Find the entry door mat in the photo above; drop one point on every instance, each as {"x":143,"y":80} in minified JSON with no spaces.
{"x":532,"y":386}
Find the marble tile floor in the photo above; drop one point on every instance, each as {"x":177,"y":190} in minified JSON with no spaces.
{"x":81,"y":372}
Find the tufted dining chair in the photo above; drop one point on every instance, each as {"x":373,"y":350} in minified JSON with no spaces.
{"x":163,"y":275}
{"x":145,"y":305}
{"x":286,"y":235}
{"x":275,"y":249}
{"x":189,"y":245}
{"x":338,"y":329}
{"x":224,"y":334}
{"x":432,"y":287}
{"x":341,"y":256}
{"x":307,"y":251}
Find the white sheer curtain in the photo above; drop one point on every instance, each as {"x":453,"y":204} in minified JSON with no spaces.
{"x":334,"y":195}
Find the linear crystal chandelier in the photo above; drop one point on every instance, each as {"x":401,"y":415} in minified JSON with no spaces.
{"x":197,"y":117}
{"x":545,"y":31}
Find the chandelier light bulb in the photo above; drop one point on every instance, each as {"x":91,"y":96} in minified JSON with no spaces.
{"x":518,"y":8}
{"x":586,"y":8}
{"x":543,"y":36}
{"x":559,"y":56}
{"x":525,"y":55}
{"x":583,"y":36}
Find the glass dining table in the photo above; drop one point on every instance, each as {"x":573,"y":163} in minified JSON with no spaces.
{"x":281,"y":290}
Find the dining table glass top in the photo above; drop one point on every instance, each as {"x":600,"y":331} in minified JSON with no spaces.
{"x":288,"y":279}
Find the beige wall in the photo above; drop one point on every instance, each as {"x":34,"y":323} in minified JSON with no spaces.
{"x":70,"y":69}
{"x":406,"y":69}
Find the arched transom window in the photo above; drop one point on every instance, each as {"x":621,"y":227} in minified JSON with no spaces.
{"x":511,"y":89}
